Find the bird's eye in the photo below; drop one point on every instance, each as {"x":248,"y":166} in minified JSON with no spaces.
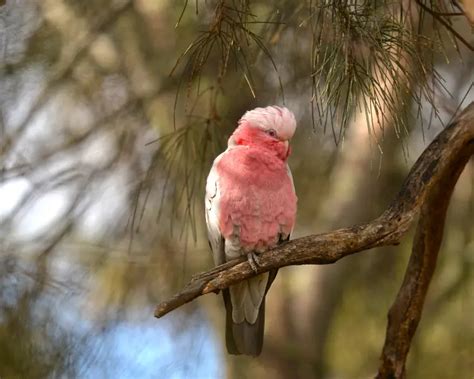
{"x":271,"y":132}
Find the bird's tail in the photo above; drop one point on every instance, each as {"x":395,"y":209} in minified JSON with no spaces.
{"x":244,"y":337}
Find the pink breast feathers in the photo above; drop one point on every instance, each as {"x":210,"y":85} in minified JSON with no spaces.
{"x":257,"y":197}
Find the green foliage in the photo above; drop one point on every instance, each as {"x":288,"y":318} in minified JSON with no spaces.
{"x":366,"y":56}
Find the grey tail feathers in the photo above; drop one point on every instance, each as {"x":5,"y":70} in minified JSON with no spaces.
{"x":245,"y":338}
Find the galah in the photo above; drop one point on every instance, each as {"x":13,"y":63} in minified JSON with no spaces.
{"x":251,"y":207}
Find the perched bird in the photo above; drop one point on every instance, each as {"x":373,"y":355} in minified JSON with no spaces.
{"x":251,"y":207}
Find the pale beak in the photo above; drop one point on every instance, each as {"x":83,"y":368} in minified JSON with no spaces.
{"x":288,"y":148}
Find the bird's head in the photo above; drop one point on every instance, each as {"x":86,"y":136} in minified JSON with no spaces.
{"x":269,"y":128}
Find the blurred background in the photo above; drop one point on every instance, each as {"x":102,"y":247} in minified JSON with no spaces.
{"x":111,"y":113}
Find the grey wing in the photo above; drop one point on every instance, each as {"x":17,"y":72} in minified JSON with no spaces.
{"x":212,"y":215}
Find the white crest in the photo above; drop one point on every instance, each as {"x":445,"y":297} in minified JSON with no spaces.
{"x":279,"y":118}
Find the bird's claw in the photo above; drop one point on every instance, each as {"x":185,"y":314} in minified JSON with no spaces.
{"x":253,"y":261}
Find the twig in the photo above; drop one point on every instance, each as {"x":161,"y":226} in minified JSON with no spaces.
{"x":446,"y":25}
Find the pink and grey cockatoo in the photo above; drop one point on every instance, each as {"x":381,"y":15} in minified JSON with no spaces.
{"x":251,"y":207}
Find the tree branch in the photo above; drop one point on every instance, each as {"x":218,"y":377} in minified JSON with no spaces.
{"x":405,"y":313}
{"x":427,"y":190}
{"x":436,"y":167}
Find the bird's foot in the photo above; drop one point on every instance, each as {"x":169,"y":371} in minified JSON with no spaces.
{"x":253,"y":260}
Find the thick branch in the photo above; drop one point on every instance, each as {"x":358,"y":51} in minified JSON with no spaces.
{"x":429,"y":175}
{"x":405,"y":313}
